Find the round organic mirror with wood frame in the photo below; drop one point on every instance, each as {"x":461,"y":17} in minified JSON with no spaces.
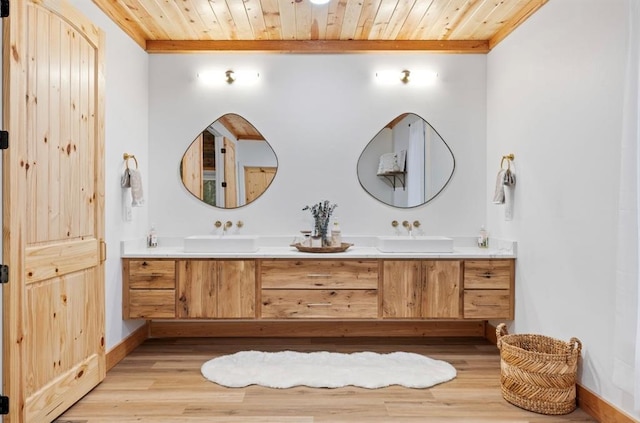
{"x":407,"y":164}
{"x":229,"y":164}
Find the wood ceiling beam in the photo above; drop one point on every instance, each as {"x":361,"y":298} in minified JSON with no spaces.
{"x":318,"y":46}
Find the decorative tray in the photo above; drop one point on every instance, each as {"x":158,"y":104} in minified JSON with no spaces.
{"x":341,"y":248}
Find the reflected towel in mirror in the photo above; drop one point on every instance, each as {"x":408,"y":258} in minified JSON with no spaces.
{"x":392,"y":162}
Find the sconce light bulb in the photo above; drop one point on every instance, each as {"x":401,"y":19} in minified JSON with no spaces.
{"x":319,"y":2}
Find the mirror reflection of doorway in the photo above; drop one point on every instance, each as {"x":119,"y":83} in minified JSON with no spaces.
{"x":256,"y":181}
{"x":229,"y":164}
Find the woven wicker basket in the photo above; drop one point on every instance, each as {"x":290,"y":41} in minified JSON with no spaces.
{"x":538,"y":373}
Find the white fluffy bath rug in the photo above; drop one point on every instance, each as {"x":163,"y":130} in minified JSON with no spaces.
{"x":327,"y":370}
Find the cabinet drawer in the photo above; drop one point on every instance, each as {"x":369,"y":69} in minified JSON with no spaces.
{"x":487,"y":304}
{"x":488,"y":274}
{"x":319,"y":303}
{"x":319,"y":274}
{"x":152,"y":274}
{"x":152,"y":303}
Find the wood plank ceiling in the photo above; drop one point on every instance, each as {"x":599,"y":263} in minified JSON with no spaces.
{"x":452,"y":26}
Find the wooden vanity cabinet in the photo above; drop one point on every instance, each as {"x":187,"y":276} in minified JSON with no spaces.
{"x":319,"y":289}
{"x":285,"y":289}
{"x":149,"y":289}
{"x":489,"y":289}
{"x":211,"y":288}
{"x":421,"y":289}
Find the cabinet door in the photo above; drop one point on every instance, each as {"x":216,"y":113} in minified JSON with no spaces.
{"x":197,"y":293}
{"x":236,"y":289}
{"x":401,"y":289}
{"x":441,"y":292}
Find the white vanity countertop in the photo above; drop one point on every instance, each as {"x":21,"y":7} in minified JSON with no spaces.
{"x":279,"y":247}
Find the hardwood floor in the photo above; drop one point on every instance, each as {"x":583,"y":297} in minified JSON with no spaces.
{"x":160,"y":382}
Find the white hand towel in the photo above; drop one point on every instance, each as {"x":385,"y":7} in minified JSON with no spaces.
{"x":137,"y":197}
{"x":498,"y":195}
{"x":125,"y":180}
{"x":505,"y":177}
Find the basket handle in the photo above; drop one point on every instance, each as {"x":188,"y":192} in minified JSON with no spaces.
{"x":501,"y":330}
{"x":573,"y":348}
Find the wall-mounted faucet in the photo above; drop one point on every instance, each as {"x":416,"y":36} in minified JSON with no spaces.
{"x":407,"y":225}
{"x":218,"y":224}
{"x":410,"y":226}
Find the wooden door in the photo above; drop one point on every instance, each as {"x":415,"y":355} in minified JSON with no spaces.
{"x":231,"y":190}
{"x":53,"y":225}
{"x":192,"y":168}
{"x":256,"y":181}
{"x":442,"y":289}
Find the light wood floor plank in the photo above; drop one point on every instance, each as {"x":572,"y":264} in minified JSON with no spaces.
{"x":160,"y":382}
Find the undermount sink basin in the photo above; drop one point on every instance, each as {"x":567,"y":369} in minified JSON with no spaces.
{"x":221,"y":244}
{"x":414,"y":244}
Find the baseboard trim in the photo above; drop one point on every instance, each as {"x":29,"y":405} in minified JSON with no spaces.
{"x":128,"y":344}
{"x":591,"y":403}
{"x":309,"y":328}
{"x":600,"y":409}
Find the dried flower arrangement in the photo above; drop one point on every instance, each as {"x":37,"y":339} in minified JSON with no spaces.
{"x":321,"y":213}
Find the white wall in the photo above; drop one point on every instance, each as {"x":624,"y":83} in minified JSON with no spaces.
{"x":554,"y":90}
{"x":318,"y":112}
{"x":126,"y":130}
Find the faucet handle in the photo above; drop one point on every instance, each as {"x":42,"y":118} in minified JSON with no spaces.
{"x":217,"y":224}
{"x":394,"y":223}
{"x":240,"y":224}
{"x":416,"y":223}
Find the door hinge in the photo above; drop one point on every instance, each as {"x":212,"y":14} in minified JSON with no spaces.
{"x":4,"y":8}
{"x":4,"y":405}
{"x":223,"y":150}
{"x":4,"y":140}
{"x":4,"y":273}
{"x":224,"y":184}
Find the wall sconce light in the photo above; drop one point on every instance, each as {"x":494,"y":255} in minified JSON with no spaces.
{"x":406,"y":76}
{"x":243,"y":77}
{"x":319,"y":2}
{"x":231,"y":77}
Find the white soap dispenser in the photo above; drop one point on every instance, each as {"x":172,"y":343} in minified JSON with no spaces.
{"x":336,"y":234}
{"x":483,"y":238}
{"x":152,"y":237}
